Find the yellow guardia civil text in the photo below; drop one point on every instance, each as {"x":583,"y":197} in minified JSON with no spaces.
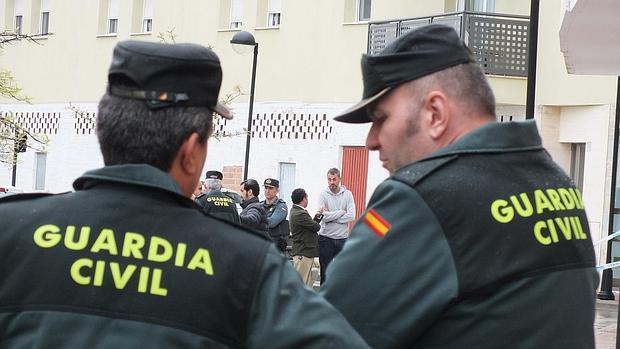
{"x":135,"y":247}
{"x":540,"y":202}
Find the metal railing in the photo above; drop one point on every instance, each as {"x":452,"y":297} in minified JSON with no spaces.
{"x":499,"y":42}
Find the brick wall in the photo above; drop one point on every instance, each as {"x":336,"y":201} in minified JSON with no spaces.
{"x":233,"y":175}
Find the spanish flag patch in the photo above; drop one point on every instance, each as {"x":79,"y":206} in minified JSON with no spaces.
{"x":377,"y":223}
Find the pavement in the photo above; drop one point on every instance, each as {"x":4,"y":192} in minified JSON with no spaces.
{"x":605,"y":323}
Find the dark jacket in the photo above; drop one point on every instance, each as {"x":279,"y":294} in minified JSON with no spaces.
{"x":219,"y":205}
{"x":127,"y":261}
{"x":304,"y":233}
{"x":254,"y":215}
{"x":276,"y":215}
{"x":483,"y":244}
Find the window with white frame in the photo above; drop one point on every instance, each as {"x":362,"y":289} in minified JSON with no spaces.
{"x":45,"y":17}
{"x":274,"y":13}
{"x":236,"y":14}
{"x":577,"y":163}
{"x":363,"y":10}
{"x":113,"y":16}
{"x":476,"y":5}
{"x":147,"y":16}
{"x":19,"y":16}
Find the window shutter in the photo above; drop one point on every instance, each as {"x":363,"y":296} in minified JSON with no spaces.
{"x":148,"y":9}
{"x":19,"y":7}
{"x":236,"y":11}
{"x":275,"y":6}
{"x":113,"y":8}
{"x":45,"y":5}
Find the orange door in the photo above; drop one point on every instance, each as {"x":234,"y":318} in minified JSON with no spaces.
{"x":354,"y":175}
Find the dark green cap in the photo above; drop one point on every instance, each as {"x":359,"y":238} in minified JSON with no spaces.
{"x":418,"y":53}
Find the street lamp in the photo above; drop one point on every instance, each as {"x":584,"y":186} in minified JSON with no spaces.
{"x":243,"y":42}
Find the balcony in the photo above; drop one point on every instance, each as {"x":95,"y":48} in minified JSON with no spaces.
{"x":499,"y":42}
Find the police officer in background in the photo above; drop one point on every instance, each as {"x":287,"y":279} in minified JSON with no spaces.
{"x":479,"y":240}
{"x":214,"y":201}
{"x":277,"y":211}
{"x":128,"y":259}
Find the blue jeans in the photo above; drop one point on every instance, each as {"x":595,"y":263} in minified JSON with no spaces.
{"x":328,"y":249}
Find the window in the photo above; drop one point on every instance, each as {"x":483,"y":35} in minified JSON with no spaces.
{"x":40,"y":161}
{"x":476,"y":5}
{"x":236,"y":14}
{"x":147,"y":16}
{"x":45,"y":17}
{"x":287,"y":182}
{"x":273,"y":13}
{"x":112,"y":16}
{"x":363,"y":10}
{"x":578,"y":157}
{"x":19,"y":16}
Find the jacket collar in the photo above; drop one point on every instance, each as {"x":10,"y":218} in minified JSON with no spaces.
{"x":249,"y":201}
{"x":135,"y":174}
{"x":495,"y":137}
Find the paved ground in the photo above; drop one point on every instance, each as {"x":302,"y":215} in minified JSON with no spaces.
{"x":605,"y":324}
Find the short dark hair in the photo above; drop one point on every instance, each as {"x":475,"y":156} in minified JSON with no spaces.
{"x":333,"y":171}
{"x":131,"y":133}
{"x":298,"y":195}
{"x":464,"y":82}
{"x":251,"y":184}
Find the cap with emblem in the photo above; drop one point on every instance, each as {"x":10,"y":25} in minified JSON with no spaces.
{"x":270,"y":182}
{"x":418,"y":53}
{"x":167,"y":75}
{"x":214,"y":175}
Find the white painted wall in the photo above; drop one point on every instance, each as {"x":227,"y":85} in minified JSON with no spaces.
{"x":596,"y":137}
{"x":70,"y":154}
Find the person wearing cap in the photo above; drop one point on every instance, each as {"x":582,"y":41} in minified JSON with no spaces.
{"x":477,"y":239}
{"x":128,"y":259}
{"x":253,"y":214}
{"x":198,"y":191}
{"x":215,"y":202}
{"x":277,"y":210}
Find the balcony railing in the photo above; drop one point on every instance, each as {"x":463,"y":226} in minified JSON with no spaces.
{"x":499,"y":42}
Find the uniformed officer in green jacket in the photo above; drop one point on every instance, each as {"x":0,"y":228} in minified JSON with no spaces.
{"x":128,"y":260}
{"x":216,"y":203}
{"x":477,"y":239}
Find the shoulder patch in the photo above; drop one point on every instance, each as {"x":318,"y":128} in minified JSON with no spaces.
{"x":415,"y":172}
{"x":377,"y":223}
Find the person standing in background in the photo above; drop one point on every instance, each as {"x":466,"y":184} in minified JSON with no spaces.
{"x":276,"y":213}
{"x":253,"y":214}
{"x":215,"y":202}
{"x":336,"y":203}
{"x":304,"y":235}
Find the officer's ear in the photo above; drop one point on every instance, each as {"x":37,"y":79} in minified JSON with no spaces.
{"x":187,"y":165}
{"x":436,"y":109}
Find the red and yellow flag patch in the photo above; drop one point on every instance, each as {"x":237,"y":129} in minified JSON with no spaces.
{"x":377,"y":223}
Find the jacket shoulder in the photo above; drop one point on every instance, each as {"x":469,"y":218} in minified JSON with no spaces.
{"x":413,"y":173}
{"x":24,"y":197}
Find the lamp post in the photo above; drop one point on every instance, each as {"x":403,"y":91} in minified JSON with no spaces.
{"x":242,"y":42}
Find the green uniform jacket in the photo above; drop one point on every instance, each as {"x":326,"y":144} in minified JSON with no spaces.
{"x":126,"y":261}
{"x":219,"y":205}
{"x":304,"y":233}
{"x":484,"y":244}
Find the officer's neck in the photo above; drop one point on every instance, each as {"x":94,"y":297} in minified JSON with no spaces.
{"x":272,"y":200}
